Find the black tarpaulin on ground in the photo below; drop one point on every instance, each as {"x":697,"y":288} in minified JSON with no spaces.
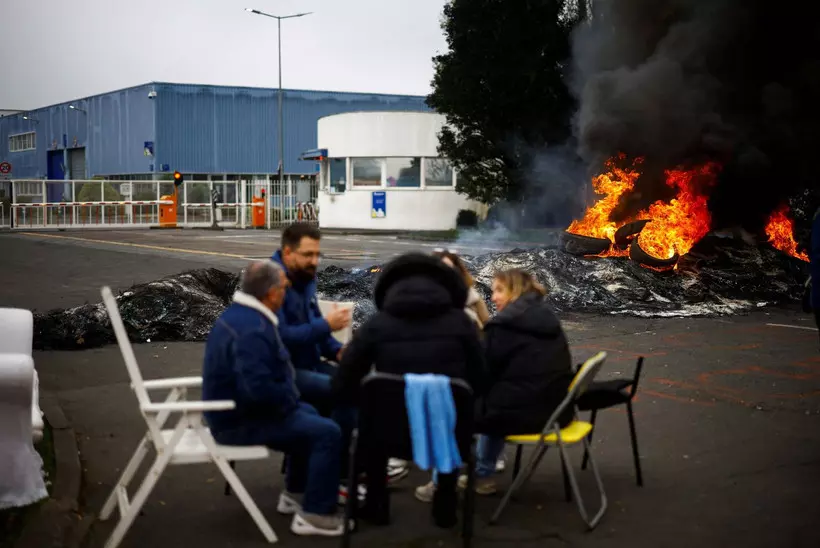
{"x":719,"y":276}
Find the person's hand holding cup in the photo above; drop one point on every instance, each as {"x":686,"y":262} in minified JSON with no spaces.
{"x":338,"y":318}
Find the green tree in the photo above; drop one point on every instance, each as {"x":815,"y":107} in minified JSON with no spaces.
{"x":92,"y":192}
{"x":501,"y":87}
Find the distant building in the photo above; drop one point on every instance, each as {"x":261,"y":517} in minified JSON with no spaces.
{"x":207,"y":132}
{"x":382,"y":171}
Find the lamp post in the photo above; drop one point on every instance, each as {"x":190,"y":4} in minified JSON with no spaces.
{"x":279,"y":19}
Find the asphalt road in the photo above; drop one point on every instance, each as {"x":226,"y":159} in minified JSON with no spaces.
{"x":727,"y":414}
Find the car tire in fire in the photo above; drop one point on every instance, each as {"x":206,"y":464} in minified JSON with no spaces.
{"x":627,"y":233}
{"x":576,"y":244}
{"x":637,"y":254}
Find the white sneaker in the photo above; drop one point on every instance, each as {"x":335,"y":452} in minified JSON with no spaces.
{"x":305,"y":524}
{"x":396,"y":471}
{"x":343,"y":493}
{"x":289,"y":503}
{"x":425,"y":493}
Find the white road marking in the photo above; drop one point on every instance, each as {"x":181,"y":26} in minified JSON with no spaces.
{"x":792,"y":326}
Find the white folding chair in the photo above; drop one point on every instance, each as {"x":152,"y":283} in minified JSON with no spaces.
{"x":17,"y":337}
{"x":553,"y":435}
{"x":188,"y":442}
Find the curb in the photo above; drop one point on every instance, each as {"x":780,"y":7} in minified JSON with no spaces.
{"x":58,"y":521}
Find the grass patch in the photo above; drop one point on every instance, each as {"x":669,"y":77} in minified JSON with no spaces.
{"x":12,"y":520}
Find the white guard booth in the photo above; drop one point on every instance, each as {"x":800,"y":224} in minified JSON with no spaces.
{"x":382,"y":171}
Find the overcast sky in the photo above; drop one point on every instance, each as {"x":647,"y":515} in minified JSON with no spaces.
{"x":59,"y":50}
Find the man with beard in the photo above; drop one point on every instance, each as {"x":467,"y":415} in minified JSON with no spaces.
{"x":308,"y":336}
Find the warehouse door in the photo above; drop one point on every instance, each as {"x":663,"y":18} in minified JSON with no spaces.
{"x":76,"y":163}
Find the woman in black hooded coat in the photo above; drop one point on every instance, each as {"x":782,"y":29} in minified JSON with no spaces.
{"x":420,"y":327}
{"x":529,"y":367}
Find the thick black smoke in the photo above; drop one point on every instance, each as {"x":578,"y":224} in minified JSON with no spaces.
{"x":683,"y":81}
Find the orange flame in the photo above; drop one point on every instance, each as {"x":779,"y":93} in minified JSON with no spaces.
{"x":780,"y":230}
{"x":674,"y":226}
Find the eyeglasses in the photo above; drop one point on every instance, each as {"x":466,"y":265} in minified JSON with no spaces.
{"x":309,"y":255}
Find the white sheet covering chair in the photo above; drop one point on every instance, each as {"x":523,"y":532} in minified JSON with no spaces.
{"x":577,"y":432}
{"x":189,"y":441}
{"x":21,"y":471}
{"x":17,"y":337}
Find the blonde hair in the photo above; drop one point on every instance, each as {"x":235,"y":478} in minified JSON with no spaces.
{"x":518,"y":282}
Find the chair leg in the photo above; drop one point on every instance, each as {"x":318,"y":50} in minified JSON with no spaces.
{"x":519,"y":450}
{"x":586,"y":453}
{"x":567,"y":492}
{"x":232,"y":464}
{"x":469,"y":499}
{"x":245,"y":498}
{"x":635,"y":454}
{"x":591,"y":523}
{"x":518,"y":480}
{"x":125,"y":478}
{"x":351,"y":506}
{"x":135,"y":505}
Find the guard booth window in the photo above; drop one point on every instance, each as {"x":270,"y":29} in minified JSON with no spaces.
{"x":338,"y":174}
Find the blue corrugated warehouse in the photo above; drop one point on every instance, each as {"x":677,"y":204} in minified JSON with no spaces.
{"x":147,"y":131}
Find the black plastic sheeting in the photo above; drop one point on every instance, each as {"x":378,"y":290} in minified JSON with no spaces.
{"x":719,"y":276}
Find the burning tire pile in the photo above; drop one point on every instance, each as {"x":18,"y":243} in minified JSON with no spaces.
{"x":717,"y":276}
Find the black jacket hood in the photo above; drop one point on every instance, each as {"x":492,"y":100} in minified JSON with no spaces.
{"x":529,"y":313}
{"x":419,"y":285}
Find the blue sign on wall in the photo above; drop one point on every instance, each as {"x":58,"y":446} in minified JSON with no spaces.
{"x":379,"y":208}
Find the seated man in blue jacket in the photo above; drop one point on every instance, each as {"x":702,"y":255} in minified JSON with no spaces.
{"x":246,"y":362}
{"x":306,"y":334}
{"x":814,"y":257}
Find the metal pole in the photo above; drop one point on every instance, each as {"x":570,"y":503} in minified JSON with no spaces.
{"x":281,"y":124}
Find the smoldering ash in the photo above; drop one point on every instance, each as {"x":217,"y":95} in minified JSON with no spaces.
{"x":681,"y":83}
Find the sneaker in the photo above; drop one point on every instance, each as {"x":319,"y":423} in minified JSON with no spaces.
{"x":483,"y":486}
{"x":343,"y":493}
{"x":289,"y":503}
{"x":305,"y":524}
{"x":397,"y":463}
{"x":425,"y":493}
{"x":396,"y":473}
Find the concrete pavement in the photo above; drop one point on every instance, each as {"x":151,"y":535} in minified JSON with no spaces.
{"x":726,"y":415}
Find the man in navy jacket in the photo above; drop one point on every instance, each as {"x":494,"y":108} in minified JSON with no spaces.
{"x":308,"y":336}
{"x":814,"y":256}
{"x":246,"y":362}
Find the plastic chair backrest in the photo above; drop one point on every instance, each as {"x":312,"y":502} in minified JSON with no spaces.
{"x":585,"y":374}
{"x":383,"y":414}
{"x":16,"y":331}
{"x":125,"y":346}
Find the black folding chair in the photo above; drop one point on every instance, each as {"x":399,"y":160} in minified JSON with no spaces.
{"x":604,"y":394}
{"x":383,"y":432}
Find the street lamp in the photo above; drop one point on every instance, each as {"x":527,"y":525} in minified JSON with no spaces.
{"x":78,"y":109}
{"x":279,"y":19}
{"x":30,"y":119}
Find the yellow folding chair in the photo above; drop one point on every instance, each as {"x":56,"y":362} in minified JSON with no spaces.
{"x":553,"y":435}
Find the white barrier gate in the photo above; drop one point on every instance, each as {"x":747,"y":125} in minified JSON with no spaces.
{"x":38,"y":203}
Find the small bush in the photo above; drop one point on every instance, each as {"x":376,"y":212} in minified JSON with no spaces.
{"x":467,"y":218}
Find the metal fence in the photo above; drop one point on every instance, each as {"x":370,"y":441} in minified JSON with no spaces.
{"x":131,"y":204}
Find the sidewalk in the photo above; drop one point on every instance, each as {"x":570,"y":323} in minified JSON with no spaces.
{"x":726,"y":418}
